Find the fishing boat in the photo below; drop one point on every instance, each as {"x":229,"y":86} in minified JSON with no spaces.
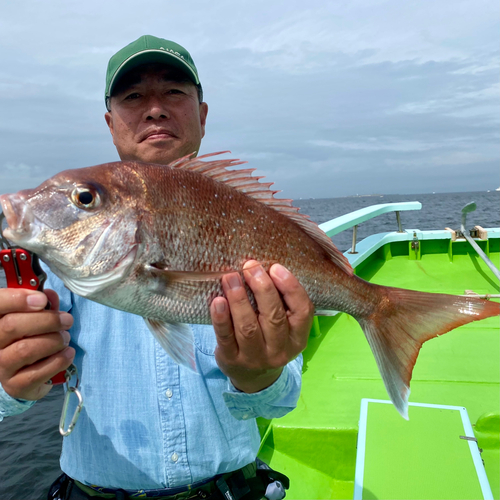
{"x":345,"y":439}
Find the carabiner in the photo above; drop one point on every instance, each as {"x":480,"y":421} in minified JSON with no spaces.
{"x":79,"y":406}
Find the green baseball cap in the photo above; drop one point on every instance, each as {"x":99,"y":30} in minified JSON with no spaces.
{"x":149,"y":49}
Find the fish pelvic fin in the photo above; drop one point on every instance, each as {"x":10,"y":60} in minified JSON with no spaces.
{"x":403,"y":321}
{"x":177,"y":340}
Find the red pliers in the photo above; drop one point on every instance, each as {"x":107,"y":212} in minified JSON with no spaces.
{"x":22,"y":270}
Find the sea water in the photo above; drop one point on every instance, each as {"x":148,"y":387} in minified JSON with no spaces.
{"x":30,"y":443}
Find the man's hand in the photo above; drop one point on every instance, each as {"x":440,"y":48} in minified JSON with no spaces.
{"x":33,"y":342}
{"x":252,"y":349}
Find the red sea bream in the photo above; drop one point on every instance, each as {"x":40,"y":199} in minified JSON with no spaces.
{"x":155,"y":241}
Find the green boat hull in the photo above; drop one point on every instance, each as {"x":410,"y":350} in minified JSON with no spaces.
{"x":315,"y":445}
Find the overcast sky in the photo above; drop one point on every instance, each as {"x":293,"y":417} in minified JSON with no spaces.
{"x":329,"y":99}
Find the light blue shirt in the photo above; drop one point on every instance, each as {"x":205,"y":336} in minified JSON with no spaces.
{"x":148,"y":422}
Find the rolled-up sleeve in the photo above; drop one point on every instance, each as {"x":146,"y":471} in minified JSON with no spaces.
{"x":10,"y":406}
{"x":273,"y":402}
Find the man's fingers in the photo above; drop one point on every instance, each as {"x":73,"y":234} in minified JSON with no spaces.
{"x":15,"y":326}
{"x":30,"y":350}
{"x":23,"y":300}
{"x":300,"y":308}
{"x":53,"y":299}
{"x":20,"y":299}
{"x":223,"y":326}
{"x":272,"y":315}
{"x":246,"y":326}
{"x":30,"y":382}
{"x":33,"y":341}
{"x":267,"y":341}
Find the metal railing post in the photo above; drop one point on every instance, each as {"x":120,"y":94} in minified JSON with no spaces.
{"x":354,"y":232}
{"x":398,"y":218}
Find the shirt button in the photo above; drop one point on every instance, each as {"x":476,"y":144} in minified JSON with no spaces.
{"x":174,"y":457}
{"x":168,"y":393}
{"x":245,"y":416}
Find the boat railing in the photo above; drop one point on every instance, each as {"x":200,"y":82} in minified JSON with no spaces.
{"x":356,"y":255}
{"x":353,"y":219}
{"x":375,"y":241}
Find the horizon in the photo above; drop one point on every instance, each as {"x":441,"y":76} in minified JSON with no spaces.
{"x":403,"y":194}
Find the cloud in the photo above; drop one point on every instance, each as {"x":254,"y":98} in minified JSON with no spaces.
{"x":374,"y":32}
{"x":378,"y":144}
{"x":325,"y":99}
{"x":11,"y":168}
{"x":476,"y":102}
{"x":447,"y":159}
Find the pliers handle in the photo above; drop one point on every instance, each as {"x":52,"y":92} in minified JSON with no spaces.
{"x":22,"y":270}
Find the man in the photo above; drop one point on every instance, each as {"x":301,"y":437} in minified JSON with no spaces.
{"x":147,"y":423}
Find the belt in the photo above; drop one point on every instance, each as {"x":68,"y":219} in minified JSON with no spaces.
{"x":200,"y":489}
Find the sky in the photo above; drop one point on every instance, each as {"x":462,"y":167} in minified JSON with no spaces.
{"x":324,"y":98}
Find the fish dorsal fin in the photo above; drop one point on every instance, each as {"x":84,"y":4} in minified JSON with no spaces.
{"x":243,"y":181}
{"x":320,"y":237}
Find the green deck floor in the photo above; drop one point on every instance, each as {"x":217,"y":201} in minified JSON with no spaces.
{"x":316,"y":443}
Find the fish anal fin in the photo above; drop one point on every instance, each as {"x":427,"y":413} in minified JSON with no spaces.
{"x":176,"y":339}
{"x":404,"y":320}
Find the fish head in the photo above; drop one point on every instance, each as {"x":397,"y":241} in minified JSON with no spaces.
{"x":82,"y":223}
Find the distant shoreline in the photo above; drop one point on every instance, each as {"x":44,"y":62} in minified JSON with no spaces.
{"x":377,"y":195}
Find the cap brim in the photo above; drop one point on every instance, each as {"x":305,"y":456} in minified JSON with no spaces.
{"x":152,"y":56}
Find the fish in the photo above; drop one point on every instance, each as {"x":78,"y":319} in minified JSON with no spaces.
{"x":156,"y":240}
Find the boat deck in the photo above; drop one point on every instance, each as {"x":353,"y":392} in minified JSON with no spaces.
{"x":315,"y":445}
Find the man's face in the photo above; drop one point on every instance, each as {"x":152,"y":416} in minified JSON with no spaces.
{"x":156,"y":116}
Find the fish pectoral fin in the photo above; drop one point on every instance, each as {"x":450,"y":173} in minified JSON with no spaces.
{"x":177,"y":340}
{"x":182,"y":284}
{"x":183,"y":276}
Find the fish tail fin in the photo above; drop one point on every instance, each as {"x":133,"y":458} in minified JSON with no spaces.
{"x":403,"y":321}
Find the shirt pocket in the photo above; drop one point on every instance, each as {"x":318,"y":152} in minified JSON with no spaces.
{"x":204,"y":339}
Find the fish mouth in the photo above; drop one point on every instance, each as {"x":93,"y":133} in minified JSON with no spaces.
{"x":18,"y":216}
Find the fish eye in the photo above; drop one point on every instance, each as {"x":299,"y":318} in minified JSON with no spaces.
{"x":85,"y":197}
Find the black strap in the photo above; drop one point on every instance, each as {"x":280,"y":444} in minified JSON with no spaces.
{"x":61,"y":488}
{"x":239,"y":489}
{"x":239,"y":485}
{"x":121,"y":495}
{"x":271,"y":475}
{"x":234,"y":487}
